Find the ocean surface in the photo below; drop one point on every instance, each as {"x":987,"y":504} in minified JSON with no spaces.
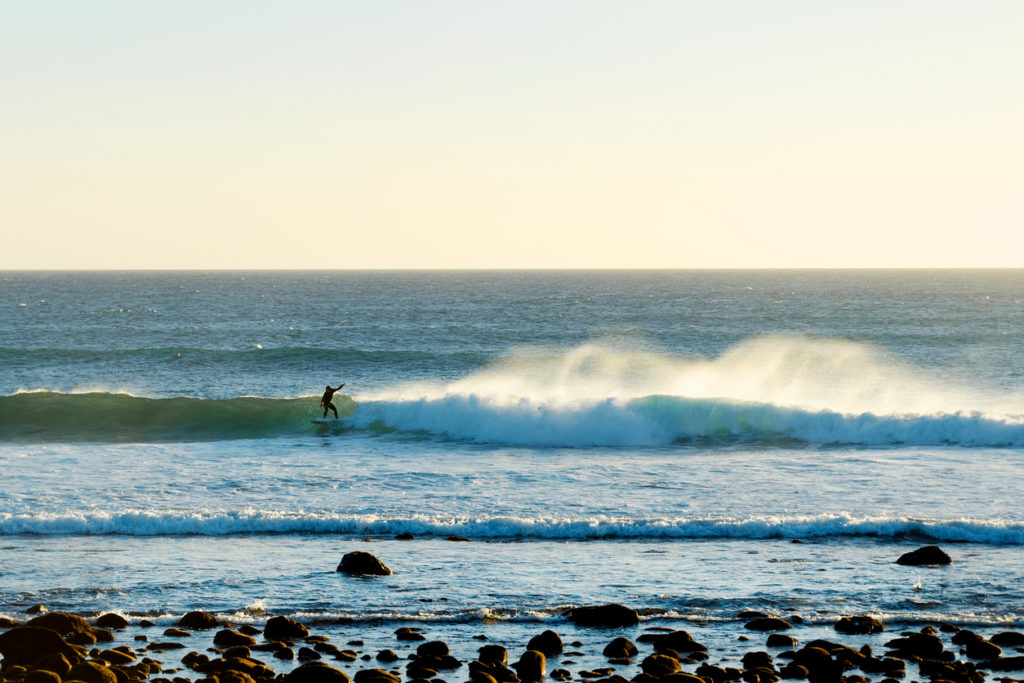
{"x":658,"y":439}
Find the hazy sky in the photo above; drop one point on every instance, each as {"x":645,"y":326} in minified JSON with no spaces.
{"x":475,"y":134}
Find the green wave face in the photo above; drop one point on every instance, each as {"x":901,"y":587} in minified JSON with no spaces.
{"x":48,"y":416}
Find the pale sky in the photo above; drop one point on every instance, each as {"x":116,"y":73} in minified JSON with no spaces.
{"x":517,"y":134}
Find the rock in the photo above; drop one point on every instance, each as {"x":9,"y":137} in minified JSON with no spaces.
{"x":316,"y":672}
{"x":983,"y":649}
{"x":387,"y":656}
{"x":926,"y":555}
{"x":433,"y":648}
{"x":83,"y":638}
{"x":408,"y":633}
{"x":917,"y":645}
{"x":362,"y":563}
{"x":375,"y":676}
{"x":36,"y":609}
{"x":768,"y":624}
{"x":102,"y":635}
{"x":456,"y":539}
{"x":111,"y":620}
{"x":757,"y":660}
{"x":91,"y":672}
{"x":307,"y":654}
{"x":6,"y":622}
{"x":795,"y":672}
{"x":859,"y":625}
{"x":201,"y":621}
{"x":678,"y":641}
{"x":177,"y":633}
{"x":547,"y":642}
{"x":237,"y":652}
{"x":249,"y":630}
{"x":620,"y":648}
{"x":24,"y":645}
{"x":248,"y":667}
{"x":531,"y":666}
{"x":283,"y":628}
{"x":57,"y":663}
{"x":780,"y":640}
{"x":404,"y":536}
{"x":40,"y":676}
{"x":63,"y":623}
{"x":607,"y":616}
{"x":681,"y":677}
{"x":659,"y":665}
{"x":285,"y":653}
{"x":119,"y":657}
{"x":560,"y":675}
{"x":1008,"y":639}
{"x":1006,"y":664}
{"x":495,"y":654}
{"x":229,"y":638}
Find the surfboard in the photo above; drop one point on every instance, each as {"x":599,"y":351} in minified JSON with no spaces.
{"x":329,"y":421}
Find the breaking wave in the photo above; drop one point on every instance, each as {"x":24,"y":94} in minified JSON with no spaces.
{"x":221,"y":523}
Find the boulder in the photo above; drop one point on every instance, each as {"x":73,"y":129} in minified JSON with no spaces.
{"x":768,"y":624}
{"x":433,"y":648}
{"x":283,"y":628}
{"x":921,"y":645}
{"x":362,"y":563}
{"x":387,"y":656}
{"x":547,"y":642}
{"x":6,"y":622}
{"x":757,"y":660}
{"x":23,"y":646}
{"x":1006,"y":664}
{"x":780,"y":640}
{"x":57,"y":663}
{"x":117,"y":657}
{"x":1008,"y":639}
{"x":408,"y":633}
{"x":229,"y":638}
{"x":316,"y":672}
{"x":659,"y":665}
{"x":607,"y":616}
{"x":201,"y":621}
{"x":91,"y":672}
{"x":983,"y":649}
{"x":859,"y":625}
{"x":677,"y":641}
{"x":63,"y":623}
{"x":40,"y":676}
{"x":111,"y":620}
{"x":177,"y":633}
{"x":495,"y":654}
{"x":531,"y":666}
{"x":926,"y":555}
{"x":620,"y":648}
{"x":373,"y":676}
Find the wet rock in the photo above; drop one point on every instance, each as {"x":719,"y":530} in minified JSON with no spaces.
{"x":63,"y":623}
{"x":659,"y":665}
{"x":859,"y":625}
{"x":531,"y":666}
{"x":376,"y":676}
{"x":757,"y":660}
{"x":57,"y":663}
{"x":82,"y":638}
{"x":200,"y":621}
{"x":547,"y":642}
{"x":409,"y":633}
{"x":1006,"y":664}
{"x":620,"y":648}
{"x":285,"y":653}
{"x":387,"y":656}
{"x":921,"y":645}
{"x":983,"y":649}
{"x":248,"y":667}
{"x":36,"y":609}
{"x":40,"y":676}
{"x":249,"y":630}
{"x":404,"y":536}
{"x":307,"y":654}
{"x":677,"y":641}
{"x":561,"y":674}
{"x":495,"y":654}
{"x":110,"y":620}
{"x":177,"y":633}
{"x":681,"y":677}
{"x":317,"y":672}
{"x":768,"y":624}
{"x":362,"y":563}
{"x":609,"y":616}
{"x":482,"y":670}
{"x":781,"y":640}
{"x":925,"y":555}
{"x":91,"y":672}
{"x":229,"y":638}
{"x":283,"y":628}
{"x":433,"y":648}
{"x":102,"y":635}
{"x":456,"y":539}
{"x":24,"y":645}
{"x":6,"y":622}
{"x":1008,"y":639}
{"x":237,"y":652}
{"x":117,"y":657}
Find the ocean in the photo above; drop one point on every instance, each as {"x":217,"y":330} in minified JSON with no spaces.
{"x":692,"y":444}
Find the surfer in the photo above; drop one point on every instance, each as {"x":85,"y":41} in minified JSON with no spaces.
{"x":326,"y":400}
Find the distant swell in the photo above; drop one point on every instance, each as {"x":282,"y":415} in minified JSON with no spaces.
{"x":647,"y":421}
{"x":218,"y":523}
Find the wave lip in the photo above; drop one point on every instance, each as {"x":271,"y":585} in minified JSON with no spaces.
{"x":223,"y":522}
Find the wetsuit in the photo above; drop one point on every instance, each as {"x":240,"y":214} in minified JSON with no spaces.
{"x":326,"y":401}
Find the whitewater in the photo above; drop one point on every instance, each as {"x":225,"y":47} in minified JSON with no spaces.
{"x":690,"y":443}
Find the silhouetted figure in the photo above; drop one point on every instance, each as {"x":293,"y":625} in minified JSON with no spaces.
{"x":326,"y":400}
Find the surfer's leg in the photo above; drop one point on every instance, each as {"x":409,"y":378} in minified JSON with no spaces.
{"x":325,"y":410}
{"x":332,"y":408}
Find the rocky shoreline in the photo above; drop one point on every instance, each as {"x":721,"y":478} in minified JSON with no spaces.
{"x":58,"y":647}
